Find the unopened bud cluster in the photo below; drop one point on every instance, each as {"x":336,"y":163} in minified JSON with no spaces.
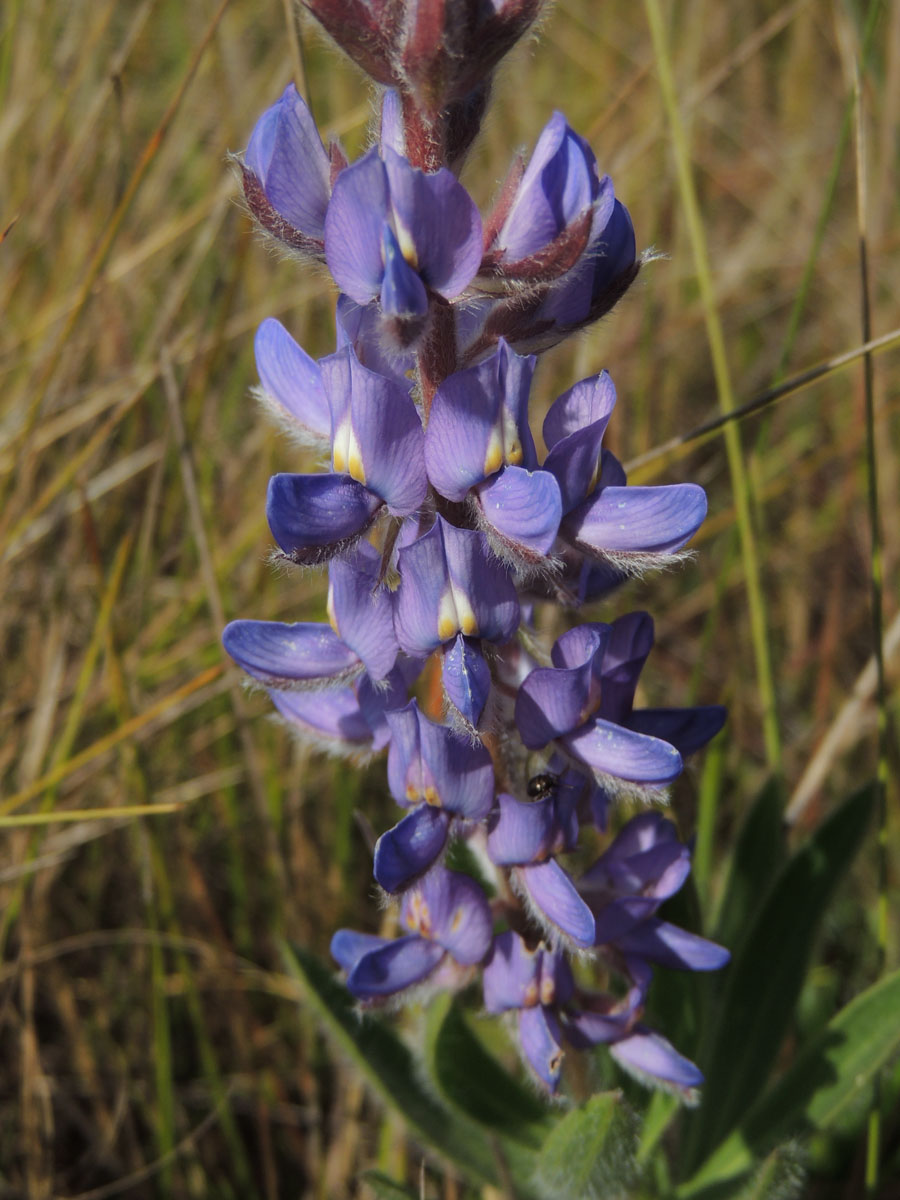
{"x":442,"y":528}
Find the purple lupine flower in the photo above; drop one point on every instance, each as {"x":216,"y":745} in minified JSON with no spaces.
{"x":542,"y":227}
{"x":449,"y":921}
{"x":526,"y":836}
{"x":644,"y":866}
{"x":377,"y":462}
{"x":534,"y":983}
{"x":603,"y":517}
{"x":584,"y":701}
{"x":442,"y":778}
{"x":394,"y":234}
{"x":452,"y":594}
{"x":287,"y":174}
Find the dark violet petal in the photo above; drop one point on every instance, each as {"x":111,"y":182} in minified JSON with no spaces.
{"x":435,"y":215}
{"x":377,"y":435}
{"x":557,"y":981}
{"x":552,"y":701}
{"x":291,"y":378}
{"x":643,"y":832}
{"x":333,"y":719}
{"x":541,"y":1040}
{"x":559,"y":183}
{"x":423,"y":581}
{"x":406,"y":777}
{"x":353,"y":223}
{"x":589,"y":403}
{"x":282,"y":655}
{"x":521,"y":832}
{"x":616,"y":919}
{"x":585,"y":644}
{"x":348,"y":946}
{"x":688,"y":729}
{"x":652,"y":1059}
{"x":553,"y":893}
{"x":479,"y":423}
{"x":460,"y":773}
{"x":376,"y":701}
{"x":586,"y":1029}
{"x":286,"y":155}
{"x":311,"y":516}
{"x":613,"y":750}
{"x":511,"y":974}
{"x":402,"y":291}
{"x":631,"y":640}
{"x":666,"y":944}
{"x":466,"y":678}
{"x":408,"y":850}
{"x":574,"y":463}
{"x":453,"y":910}
{"x":524,"y":508}
{"x":640,"y":520}
{"x":362,"y":612}
{"x":393,"y":967}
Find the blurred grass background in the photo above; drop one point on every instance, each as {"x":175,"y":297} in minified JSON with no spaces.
{"x":150,"y":1043}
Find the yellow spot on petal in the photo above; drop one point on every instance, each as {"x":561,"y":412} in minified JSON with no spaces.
{"x":407,"y":245}
{"x":432,"y":797}
{"x":493,"y":459}
{"x":548,"y":991}
{"x":457,"y":920}
{"x":329,"y":609}
{"x":448,"y":618}
{"x":468,"y":622}
{"x":531,"y":995}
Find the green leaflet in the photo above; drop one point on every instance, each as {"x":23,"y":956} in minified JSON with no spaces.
{"x":764,"y":980}
{"x":387,"y":1189}
{"x":590,"y":1153}
{"x":825,"y":1081}
{"x":759,"y":852}
{"x":388,"y":1065}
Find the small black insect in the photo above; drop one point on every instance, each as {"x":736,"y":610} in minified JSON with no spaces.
{"x":542,"y":786}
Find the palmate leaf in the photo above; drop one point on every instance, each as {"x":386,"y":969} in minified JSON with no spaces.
{"x":389,"y":1067}
{"x":827,"y":1080}
{"x":764,"y":980}
{"x":590,"y":1153}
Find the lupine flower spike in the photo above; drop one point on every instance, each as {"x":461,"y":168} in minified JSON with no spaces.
{"x":442,"y":528}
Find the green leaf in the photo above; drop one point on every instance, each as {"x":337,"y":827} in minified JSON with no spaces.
{"x":590,"y":1153}
{"x":388,"y":1065}
{"x":759,"y":852}
{"x":387,"y":1189}
{"x":826,"y":1081}
{"x":766,"y":975}
{"x":471,"y":1080}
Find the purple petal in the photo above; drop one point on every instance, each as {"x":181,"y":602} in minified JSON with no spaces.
{"x":631,"y":640}
{"x":314,"y":516}
{"x":512,"y":974}
{"x":332,"y":720}
{"x":377,"y":435}
{"x":522,"y":832}
{"x":466,"y":678}
{"x":392,"y":121}
{"x":362,"y":612}
{"x":402,"y":290}
{"x":688,"y":729}
{"x":665,"y":944}
{"x":586,"y":1029}
{"x":613,"y":750}
{"x":553,"y":893}
{"x":554,"y":700}
{"x":282,"y":655}
{"x":524,"y":508}
{"x":286,"y":155}
{"x":448,"y":585}
{"x":291,"y":378}
{"x":408,"y":850}
{"x":435,"y":214}
{"x":559,"y":183}
{"x":348,"y":946}
{"x":360,"y":326}
{"x":453,"y":910}
{"x":651,"y":1058}
{"x":429,"y":762}
{"x":394,"y":967}
{"x":358,"y":208}
{"x":376,"y":701}
{"x":589,"y":403}
{"x":479,"y":423}
{"x":646,"y":520}
{"x":541,"y":1040}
